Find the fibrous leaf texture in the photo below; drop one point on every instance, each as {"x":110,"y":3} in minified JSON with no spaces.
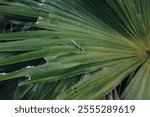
{"x":75,"y":49}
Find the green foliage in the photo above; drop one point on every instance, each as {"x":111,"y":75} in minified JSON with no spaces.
{"x":74,"y":49}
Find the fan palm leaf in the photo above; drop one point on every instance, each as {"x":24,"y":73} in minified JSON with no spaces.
{"x":63,"y":40}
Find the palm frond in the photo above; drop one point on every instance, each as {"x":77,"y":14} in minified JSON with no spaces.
{"x":60,"y":40}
